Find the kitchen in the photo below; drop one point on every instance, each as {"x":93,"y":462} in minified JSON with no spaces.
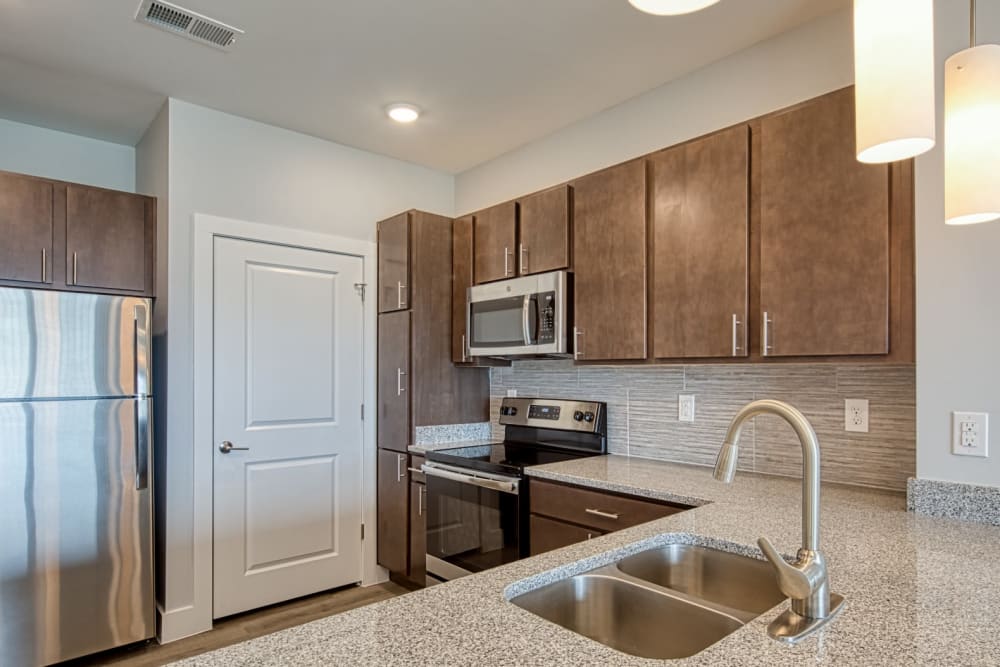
{"x":866,"y":312}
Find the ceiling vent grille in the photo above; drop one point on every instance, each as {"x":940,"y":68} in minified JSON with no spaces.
{"x":179,"y":21}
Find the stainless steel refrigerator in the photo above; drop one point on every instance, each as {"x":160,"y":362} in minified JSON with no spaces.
{"x":76,"y":543}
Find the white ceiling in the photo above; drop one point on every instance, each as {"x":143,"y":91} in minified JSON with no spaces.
{"x":491,"y":75}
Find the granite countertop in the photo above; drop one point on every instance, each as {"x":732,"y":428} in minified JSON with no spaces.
{"x":434,"y":446}
{"x":919,"y":590}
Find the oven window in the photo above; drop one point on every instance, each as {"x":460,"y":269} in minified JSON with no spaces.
{"x":497,"y":323}
{"x":471,"y":527}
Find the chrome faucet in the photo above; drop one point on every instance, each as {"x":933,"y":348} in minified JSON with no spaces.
{"x":805,"y":581}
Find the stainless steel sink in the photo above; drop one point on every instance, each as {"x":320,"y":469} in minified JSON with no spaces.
{"x":668,"y":602}
{"x":746,"y":587}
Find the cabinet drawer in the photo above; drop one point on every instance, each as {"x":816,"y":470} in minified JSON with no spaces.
{"x":549,"y":534}
{"x":603,"y":511}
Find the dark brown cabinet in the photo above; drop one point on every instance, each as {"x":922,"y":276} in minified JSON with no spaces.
{"x":75,"y":237}
{"x":495,"y":239}
{"x":701,"y":239}
{"x":394,"y":380}
{"x":824,"y":235}
{"x":545,"y":228}
{"x":109,"y":237}
{"x":26,"y":227}
{"x":417,"y":571}
{"x":609,"y":254}
{"x":394,"y":263}
{"x":549,"y":534}
{"x":393,"y":511}
{"x":461,"y":281}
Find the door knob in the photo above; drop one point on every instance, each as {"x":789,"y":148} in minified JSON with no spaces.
{"x":227,"y":447}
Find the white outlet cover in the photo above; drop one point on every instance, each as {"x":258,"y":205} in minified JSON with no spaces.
{"x":512,"y":393}
{"x":856,"y":415}
{"x":685,"y":407}
{"x":970,"y":434}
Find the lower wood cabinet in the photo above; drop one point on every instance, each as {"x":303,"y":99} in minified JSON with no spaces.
{"x":562,"y":514}
{"x":393,"y":512}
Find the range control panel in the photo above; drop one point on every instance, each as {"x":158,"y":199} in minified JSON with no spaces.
{"x":555,"y":413}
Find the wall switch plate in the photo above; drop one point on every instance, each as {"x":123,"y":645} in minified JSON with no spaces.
{"x":970,"y":434}
{"x":856,"y":415}
{"x":685,"y":408}
{"x":512,"y":393}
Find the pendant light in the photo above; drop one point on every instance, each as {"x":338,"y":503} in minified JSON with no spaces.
{"x":894,"y":79}
{"x":972,"y":132}
{"x":671,"y":7}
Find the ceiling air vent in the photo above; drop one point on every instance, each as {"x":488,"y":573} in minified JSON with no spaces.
{"x":168,"y":16}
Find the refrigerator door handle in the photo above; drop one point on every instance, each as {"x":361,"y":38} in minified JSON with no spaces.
{"x":142,"y":358}
{"x":143,"y":437}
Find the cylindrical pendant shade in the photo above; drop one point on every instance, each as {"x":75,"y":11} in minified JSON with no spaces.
{"x":972,"y":136}
{"x":894,"y":78}
{"x":671,"y":7}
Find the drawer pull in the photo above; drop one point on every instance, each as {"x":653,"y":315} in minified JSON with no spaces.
{"x":606,"y":515}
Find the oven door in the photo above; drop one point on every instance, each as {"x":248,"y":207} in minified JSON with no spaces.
{"x":521,"y":316}
{"x":473,"y":520}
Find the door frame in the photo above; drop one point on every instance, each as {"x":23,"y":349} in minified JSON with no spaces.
{"x":205,"y":230}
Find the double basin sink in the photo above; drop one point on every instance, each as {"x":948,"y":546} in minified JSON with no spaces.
{"x":668,"y":602}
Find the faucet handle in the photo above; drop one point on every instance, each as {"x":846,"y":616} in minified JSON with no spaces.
{"x":797,"y":581}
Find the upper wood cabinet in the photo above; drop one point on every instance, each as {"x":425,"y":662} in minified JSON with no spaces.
{"x":108,"y":239}
{"x":609,"y":251}
{"x":545,"y":227}
{"x":394,"y":263}
{"x":701,"y":237}
{"x":461,"y":281}
{"x":26,"y":227}
{"x":824,"y":235}
{"x":76,"y":237}
{"x":495,"y":239}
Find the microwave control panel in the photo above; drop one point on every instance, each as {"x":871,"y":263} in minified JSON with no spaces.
{"x":546,"y":317}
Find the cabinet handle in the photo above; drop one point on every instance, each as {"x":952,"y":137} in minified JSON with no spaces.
{"x":400,"y":301}
{"x":464,"y":348}
{"x":577,"y":352}
{"x":399,"y":381}
{"x":506,"y":263}
{"x":523,"y":252}
{"x":421,"y":490}
{"x":44,"y":265}
{"x":606,"y":515}
{"x":74,"y":269}
{"x":736,"y":325}
{"x":590,"y":536}
{"x":765,"y":343}
{"x":400,"y":460}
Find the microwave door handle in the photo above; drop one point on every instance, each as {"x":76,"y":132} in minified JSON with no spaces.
{"x":526,"y":319}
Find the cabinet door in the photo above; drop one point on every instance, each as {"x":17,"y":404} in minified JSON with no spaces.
{"x":494,"y":241}
{"x":418,"y":533}
{"x":609,"y":255}
{"x":461,"y":281}
{"x":549,"y":534}
{"x":26,"y":229}
{"x":545,"y":224}
{"x":393,"y":512}
{"x":824,"y":266}
{"x":394,"y":380}
{"x":108,"y":239}
{"x":701,"y":234}
{"x":394,"y":263}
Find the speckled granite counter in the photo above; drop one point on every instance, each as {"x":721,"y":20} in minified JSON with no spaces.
{"x":434,"y":446}
{"x":920,"y":590}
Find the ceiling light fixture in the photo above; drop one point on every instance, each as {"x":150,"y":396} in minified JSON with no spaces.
{"x":671,"y":7}
{"x":403,"y":113}
{"x":972,"y":132}
{"x":894,"y":79}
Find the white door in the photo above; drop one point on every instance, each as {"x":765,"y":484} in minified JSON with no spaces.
{"x":288,"y":390}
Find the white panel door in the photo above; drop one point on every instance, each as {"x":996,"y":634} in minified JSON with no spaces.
{"x":288,"y":391}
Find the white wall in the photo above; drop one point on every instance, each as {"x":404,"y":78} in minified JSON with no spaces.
{"x":232,"y":167}
{"x":958,"y":294}
{"x":38,"y":151}
{"x":800,"y":64}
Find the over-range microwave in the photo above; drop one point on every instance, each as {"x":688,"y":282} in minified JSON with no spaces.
{"x":526,"y":316}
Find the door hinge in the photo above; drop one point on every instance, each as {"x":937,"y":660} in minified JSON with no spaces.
{"x":360,"y":287}
{"x":362,"y":531}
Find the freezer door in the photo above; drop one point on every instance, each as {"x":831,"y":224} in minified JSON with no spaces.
{"x":69,"y":345}
{"x":76,"y":566}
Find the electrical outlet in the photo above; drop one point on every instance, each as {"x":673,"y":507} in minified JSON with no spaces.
{"x":512,"y":393}
{"x":856,"y":415}
{"x":970,"y":434}
{"x":685,"y":408}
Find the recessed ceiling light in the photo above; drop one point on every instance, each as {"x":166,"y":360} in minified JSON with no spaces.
{"x":671,"y":7}
{"x":403,"y":113}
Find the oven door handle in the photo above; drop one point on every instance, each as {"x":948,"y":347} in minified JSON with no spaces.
{"x":492,"y":484}
{"x":526,"y":319}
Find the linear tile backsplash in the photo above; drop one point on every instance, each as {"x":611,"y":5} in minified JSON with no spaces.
{"x":642,"y":412}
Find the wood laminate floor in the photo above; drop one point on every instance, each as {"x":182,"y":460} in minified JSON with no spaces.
{"x":242,"y":627}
